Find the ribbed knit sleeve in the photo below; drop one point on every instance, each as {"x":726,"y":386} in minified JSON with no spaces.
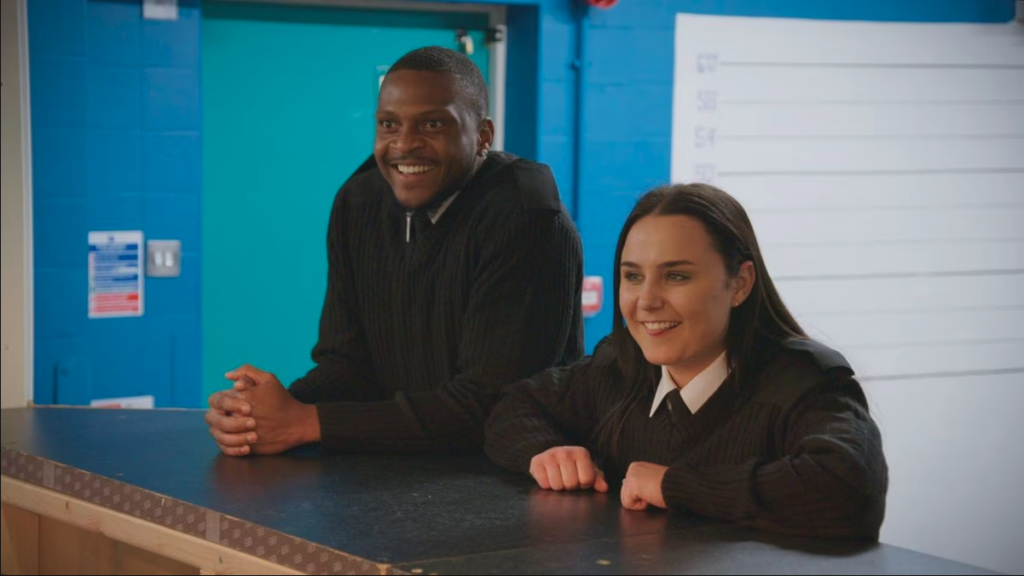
{"x":343,"y":372}
{"x":559,"y":407}
{"x":831,"y":481}
{"x":519,"y":320}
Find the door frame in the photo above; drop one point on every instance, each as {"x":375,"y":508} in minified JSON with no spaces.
{"x":28,"y":234}
{"x":497,"y":17}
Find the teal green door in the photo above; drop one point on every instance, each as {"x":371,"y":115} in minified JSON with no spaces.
{"x":289,"y":95}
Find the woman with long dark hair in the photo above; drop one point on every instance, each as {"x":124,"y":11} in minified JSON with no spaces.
{"x":707,"y":396}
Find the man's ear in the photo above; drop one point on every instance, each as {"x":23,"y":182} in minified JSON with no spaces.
{"x":485,"y":137}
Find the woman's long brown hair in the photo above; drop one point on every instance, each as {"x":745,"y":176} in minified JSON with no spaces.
{"x":756,"y":327}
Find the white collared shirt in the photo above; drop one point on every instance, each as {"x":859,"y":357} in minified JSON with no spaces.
{"x":698,"y":391}
{"x":436,"y":214}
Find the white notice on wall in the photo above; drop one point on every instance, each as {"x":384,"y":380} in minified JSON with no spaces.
{"x":115,"y":274}
{"x":160,"y":10}
{"x":132,"y":403}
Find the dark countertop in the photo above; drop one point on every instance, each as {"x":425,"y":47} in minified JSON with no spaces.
{"x":436,"y":513}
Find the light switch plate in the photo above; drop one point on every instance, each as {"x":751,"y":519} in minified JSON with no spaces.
{"x":163,"y":258}
{"x":166,"y":10}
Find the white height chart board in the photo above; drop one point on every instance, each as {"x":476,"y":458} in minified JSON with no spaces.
{"x":883,"y":167}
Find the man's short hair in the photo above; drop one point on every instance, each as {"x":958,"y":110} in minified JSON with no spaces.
{"x":471,"y":89}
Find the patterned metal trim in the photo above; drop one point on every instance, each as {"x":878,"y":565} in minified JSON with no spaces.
{"x":185,"y":518}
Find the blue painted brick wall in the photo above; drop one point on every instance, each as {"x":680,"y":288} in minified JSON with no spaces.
{"x":116,"y":146}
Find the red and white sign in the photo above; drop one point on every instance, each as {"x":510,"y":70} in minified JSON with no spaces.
{"x":593,"y":295}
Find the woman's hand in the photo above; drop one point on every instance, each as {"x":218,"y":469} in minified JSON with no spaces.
{"x":642,"y":486}
{"x":567,"y":468}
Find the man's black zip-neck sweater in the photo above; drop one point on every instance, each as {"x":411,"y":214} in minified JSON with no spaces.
{"x":420,"y":330}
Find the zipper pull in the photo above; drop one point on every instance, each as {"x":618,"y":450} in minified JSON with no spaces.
{"x":408,"y":227}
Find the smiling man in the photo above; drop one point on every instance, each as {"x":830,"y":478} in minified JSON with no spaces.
{"x":453,"y":270}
